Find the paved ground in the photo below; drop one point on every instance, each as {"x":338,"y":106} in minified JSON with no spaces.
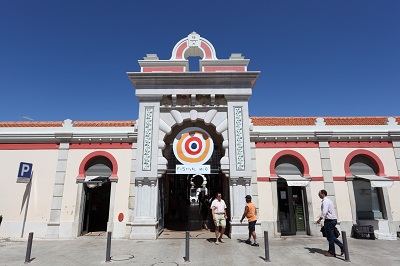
{"x":91,"y":250}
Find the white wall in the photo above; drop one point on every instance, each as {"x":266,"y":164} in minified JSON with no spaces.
{"x":12,"y":193}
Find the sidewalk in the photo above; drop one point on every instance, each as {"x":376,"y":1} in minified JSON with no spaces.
{"x":283,"y":251}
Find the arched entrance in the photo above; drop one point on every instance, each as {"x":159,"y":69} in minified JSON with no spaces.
{"x":96,"y":194}
{"x":368,"y":193}
{"x":292,"y":199}
{"x":182,"y":192}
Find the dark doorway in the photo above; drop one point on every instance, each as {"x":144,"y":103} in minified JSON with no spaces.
{"x":182,"y":201}
{"x":292,"y":210}
{"x":180,"y":208}
{"x":96,"y":209}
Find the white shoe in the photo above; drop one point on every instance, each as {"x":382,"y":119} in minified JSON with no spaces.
{"x":221,"y":240}
{"x":216,"y":243}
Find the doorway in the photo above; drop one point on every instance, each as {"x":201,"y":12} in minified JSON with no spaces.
{"x":190,"y":144}
{"x":292,"y":209}
{"x":96,"y":208}
{"x":181,"y":208}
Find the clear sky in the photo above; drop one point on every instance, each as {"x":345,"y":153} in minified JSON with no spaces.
{"x":68,"y":59}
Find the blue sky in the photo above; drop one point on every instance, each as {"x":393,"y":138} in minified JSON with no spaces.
{"x":68,"y":59}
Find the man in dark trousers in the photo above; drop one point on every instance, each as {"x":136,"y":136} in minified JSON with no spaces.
{"x":250,"y":212}
{"x":328,"y":213}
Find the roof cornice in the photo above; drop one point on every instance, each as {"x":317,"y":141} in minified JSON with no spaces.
{"x":193,"y":80}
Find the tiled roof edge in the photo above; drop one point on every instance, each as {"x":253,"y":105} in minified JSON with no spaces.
{"x":31,"y":124}
{"x":111,"y":123}
{"x":330,"y":121}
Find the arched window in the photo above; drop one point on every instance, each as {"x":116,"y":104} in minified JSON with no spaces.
{"x":288,"y":165}
{"x":362,"y":165}
{"x":369,"y":199}
{"x":99,"y":166}
{"x":98,"y":163}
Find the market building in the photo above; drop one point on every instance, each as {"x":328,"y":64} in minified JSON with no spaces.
{"x":194,"y":135}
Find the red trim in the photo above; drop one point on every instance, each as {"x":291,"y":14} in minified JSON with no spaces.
{"x":395,"y":178}
{"x":339,"y":178}
{"x":375,"y":159}
{"x":123,"y":145}
{"x":295,"y":154}
{"x":317,"y":178}
{"x":29,"y":146}
{"x":360,"y":144}
{"x":263,"y":179}
{"x":82,"y":173}
{"x":207,"y":50}
{"x":223,"y":68}
{"x":305,"y":144}
{"x":180,"y":50}
{"x":163,"y":69}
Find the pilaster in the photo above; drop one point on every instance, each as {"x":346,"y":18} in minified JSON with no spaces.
{"x":53,"y":225}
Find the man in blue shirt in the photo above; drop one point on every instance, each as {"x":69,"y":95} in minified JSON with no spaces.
{"x":328,"y":213}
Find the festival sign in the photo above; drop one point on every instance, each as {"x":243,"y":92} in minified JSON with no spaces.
{"x":193,"y":147}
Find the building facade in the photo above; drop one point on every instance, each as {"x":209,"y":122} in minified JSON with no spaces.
{"x":194,"y":136}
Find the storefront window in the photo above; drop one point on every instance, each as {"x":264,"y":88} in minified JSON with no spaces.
{"x":368,"y":200}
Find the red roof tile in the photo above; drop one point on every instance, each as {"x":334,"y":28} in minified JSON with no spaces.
{"x":329,"y":121}
{"x":283,"y":121}
{"x":31,"y":124}
{"x":352,"y":121}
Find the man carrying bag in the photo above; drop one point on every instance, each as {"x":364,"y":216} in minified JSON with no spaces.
{"x":328,"y":213}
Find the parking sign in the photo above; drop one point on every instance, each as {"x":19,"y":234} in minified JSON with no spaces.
{"x":24,"y":172}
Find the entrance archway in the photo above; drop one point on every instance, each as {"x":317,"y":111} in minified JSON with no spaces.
{"x":181,"y":193}
{"x":96,"y":193}
{"x":292,"y":199}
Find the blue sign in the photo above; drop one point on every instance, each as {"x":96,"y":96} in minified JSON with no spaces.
{"x":25,"y":170}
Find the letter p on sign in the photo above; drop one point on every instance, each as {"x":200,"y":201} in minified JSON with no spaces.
{"x":24,"y":172}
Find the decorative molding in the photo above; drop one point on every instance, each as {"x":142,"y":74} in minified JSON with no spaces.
{"x":360,"y":144}
{"x":147,"y":139}
{"x":288,"y":144}
{"x":238,"y":120}
{"x":112,"y":145}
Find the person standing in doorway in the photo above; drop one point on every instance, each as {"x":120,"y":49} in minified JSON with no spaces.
{"x":250,"y":212}
{"x":203,"y":210}
{"x":328,"y":213}
{"x":218,"y":210}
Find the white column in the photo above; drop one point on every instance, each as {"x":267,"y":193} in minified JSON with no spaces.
{"x":144,"y":224}
{"x":275,"y":204}
{"x":139,"y":188}
{"x":110,"y":223}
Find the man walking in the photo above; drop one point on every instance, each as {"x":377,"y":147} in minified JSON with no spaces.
{"x":250,"y":213}
{"x":218,"y":210}
{"x":328,"y":213}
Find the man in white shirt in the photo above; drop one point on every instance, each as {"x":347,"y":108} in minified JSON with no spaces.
{"x":328,"y":213}
{"x":218,"y":210}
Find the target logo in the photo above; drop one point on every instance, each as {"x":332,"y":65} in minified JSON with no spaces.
{"x":193,"y":145}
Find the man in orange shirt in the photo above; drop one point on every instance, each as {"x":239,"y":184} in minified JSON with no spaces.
{"x":250,"y":213}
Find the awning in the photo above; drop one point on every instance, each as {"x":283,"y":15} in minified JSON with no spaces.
{"x":90,"y":178}
{"x":295,"y":180}
{"x":377,"y":181}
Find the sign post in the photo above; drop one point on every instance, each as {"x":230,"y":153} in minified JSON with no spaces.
{"x":25,"y":175}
